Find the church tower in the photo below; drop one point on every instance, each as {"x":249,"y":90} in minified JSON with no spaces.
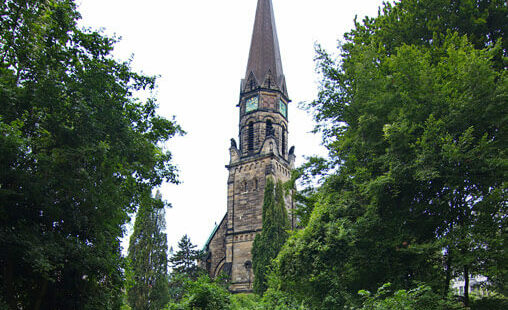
{"x":262,"y":152}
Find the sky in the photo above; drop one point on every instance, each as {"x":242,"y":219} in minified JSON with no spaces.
{"x":199,"y":50}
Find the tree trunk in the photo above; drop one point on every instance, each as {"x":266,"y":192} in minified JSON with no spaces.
{"x":466,"y":285}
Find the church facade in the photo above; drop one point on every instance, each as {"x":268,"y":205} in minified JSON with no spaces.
{"x":262,"y":151}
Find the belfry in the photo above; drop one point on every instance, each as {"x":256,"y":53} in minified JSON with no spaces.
{"x":262,"y":151}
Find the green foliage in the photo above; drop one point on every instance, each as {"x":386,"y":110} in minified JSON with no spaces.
{"x":184,"y":261}
{"x":268,"y":243}
{"x":246,"y":302}
{"x":496,"y":302}
{"x":78,"y":153}
{"x":184,"y":268}
{"x":125,"y":304}
{"x":272,"y":300}
{"x":177,"y":286}
{"x":419,"y":298}
{"x":148,"y":259}
{"x":305,"y":198}
{"x":414,"y":118}
{"x":203,"y":294}
{"x":278,"y":300}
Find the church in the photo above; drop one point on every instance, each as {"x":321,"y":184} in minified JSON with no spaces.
{"x":262,"y":151}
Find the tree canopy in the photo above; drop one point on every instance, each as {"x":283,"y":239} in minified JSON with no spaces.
{"x":78,"y":153}
{"x":413,"y":114}
{"x":148,"y":257}
{"x":270,"y":240}
{"x":185,"y":260}
{"x":184,"y":268}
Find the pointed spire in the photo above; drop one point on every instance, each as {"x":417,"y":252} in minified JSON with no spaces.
{"x":264,"y":57}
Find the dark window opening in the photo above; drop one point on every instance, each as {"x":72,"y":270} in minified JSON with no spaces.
{"x":283,"y":142}
{"x":269,"y":128}
{"x":250,"y":138}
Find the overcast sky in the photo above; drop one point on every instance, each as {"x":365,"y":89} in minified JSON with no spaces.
{"x":199,"y":48}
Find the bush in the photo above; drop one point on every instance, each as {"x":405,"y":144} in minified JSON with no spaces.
{"x":246,"y":302}
{"x":497,"y":302}
{"x":420,"y":298}
{"x":272,"y":300}
{"x":203,"y":294}
{"x":278,"y":300}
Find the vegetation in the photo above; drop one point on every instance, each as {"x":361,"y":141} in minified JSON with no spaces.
{"x":419,"y":298}
{"x":78,"y":153}
{"x":414,"y":118}
{"x":203,"y":294}
{"x":413,"y":192}
{"x":206,"y":294}
{"x":184,"y":261}
{"x":268,"y":243}
{"x":184,"y":268}
{"x":148,"y":259}
{"x":494,"y":302}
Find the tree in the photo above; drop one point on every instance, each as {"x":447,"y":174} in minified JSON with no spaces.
{"x":78,"y":153}
{"x":412,"y":115}
{"x":268,"y":243}
{"x":148,"y":258}
{"x":185,"y":260}
{"x":185,"y":269}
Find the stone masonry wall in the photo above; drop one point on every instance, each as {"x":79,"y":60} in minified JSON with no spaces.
{"x":245,"y":203}
{"x":217,"y":250}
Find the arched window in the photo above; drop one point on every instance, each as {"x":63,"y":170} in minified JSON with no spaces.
{"x":269,"y":128}
{"x":250,"y":137}
{"x":283,"y":141}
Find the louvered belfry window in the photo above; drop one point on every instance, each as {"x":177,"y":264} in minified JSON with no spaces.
{"x":283,"y":142}
{"x":269,"y":128}
{"x":250,"y":138}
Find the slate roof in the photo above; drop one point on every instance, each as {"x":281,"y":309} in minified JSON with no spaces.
{"x":264,"y":55}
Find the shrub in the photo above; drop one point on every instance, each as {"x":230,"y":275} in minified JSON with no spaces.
{"x":203,"y":294}
{"x":420,"y":298}
{"x":497,"y":302}
{"x":246,"y":302}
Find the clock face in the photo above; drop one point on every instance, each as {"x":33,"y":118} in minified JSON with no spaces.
{"x":283,"y":108}
{"x":251,"y":104}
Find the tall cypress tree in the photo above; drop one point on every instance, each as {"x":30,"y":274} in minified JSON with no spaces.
{"x":148,"y":255}
{"x":268,"y":243}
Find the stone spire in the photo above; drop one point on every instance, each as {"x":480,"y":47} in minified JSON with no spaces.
{"x":264,"y":68}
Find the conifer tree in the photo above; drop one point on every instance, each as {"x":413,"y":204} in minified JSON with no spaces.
{"x":184,"y":268}
{"x":184,"y":261}
{"x":268,"y":243}
{"x":148,"y":255}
